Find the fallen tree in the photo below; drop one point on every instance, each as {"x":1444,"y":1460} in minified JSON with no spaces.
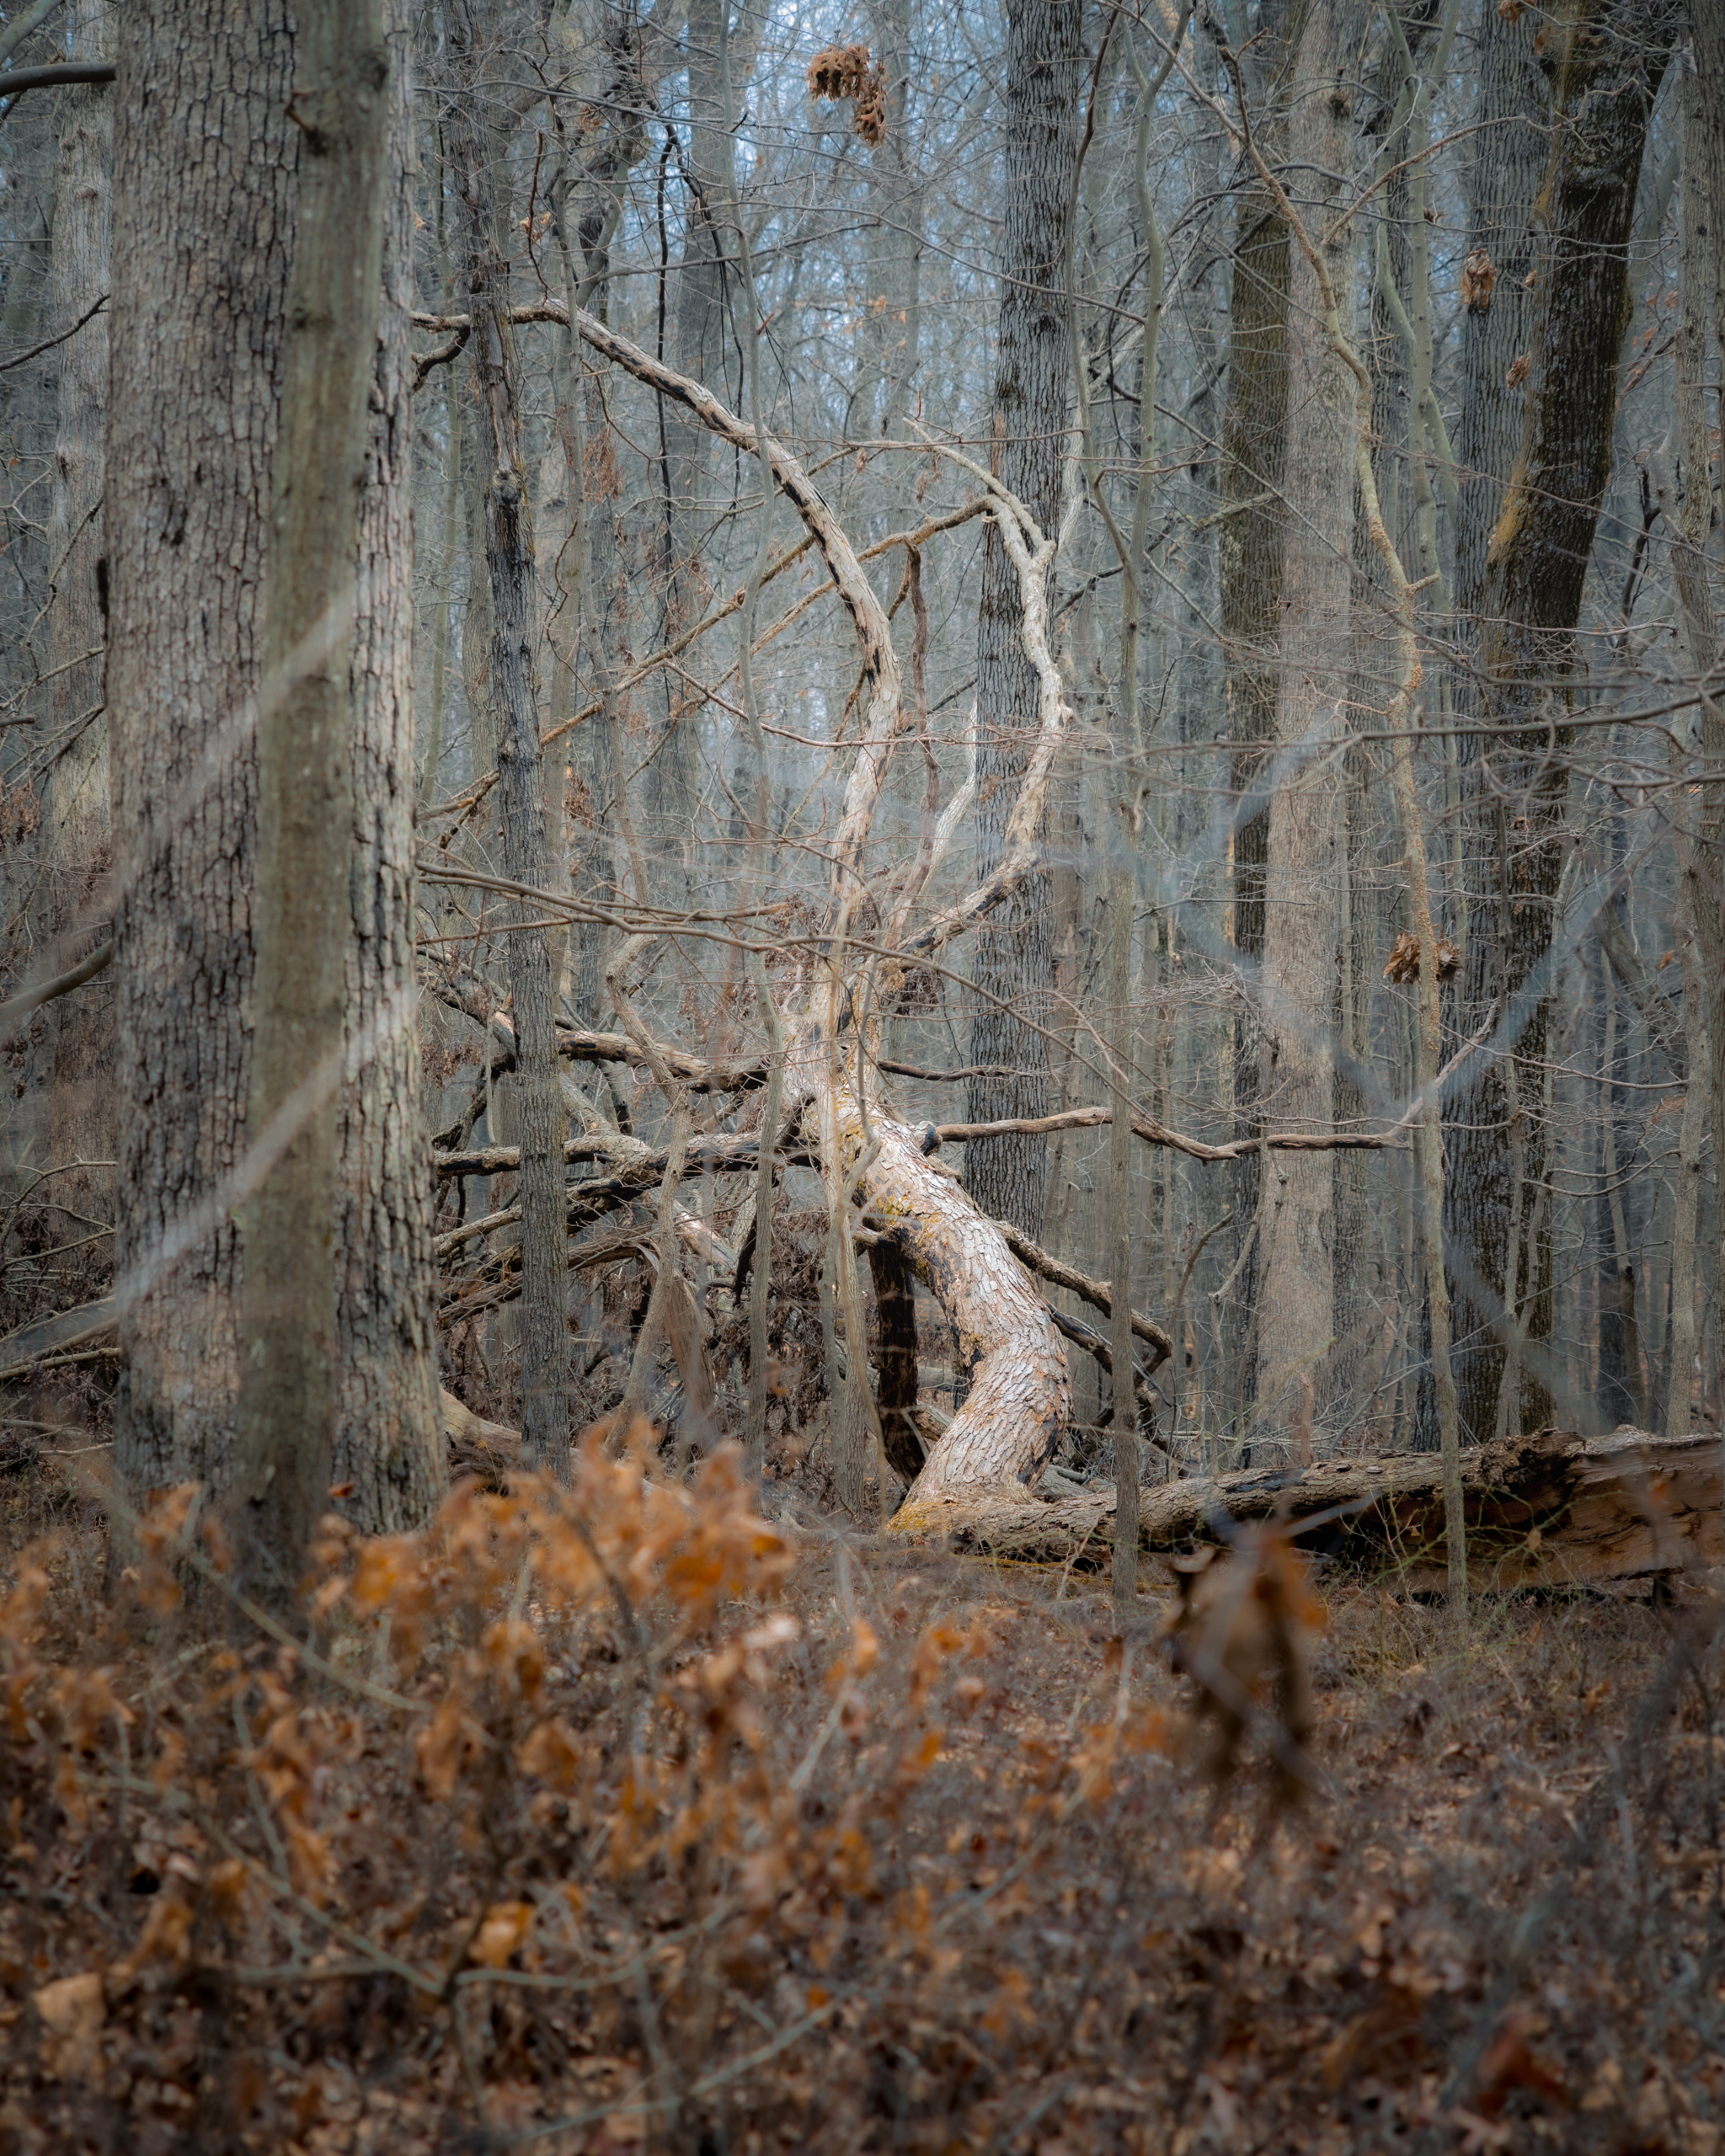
{"x":836,"y":985}
{"x":1545,"y":1511}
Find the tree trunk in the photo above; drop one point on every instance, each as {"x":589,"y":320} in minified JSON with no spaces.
{"x":305,"y":788}
{"x":385,"y":1440}
{"x":1307,"y":868}
{"x":204,"y":204}
{"x":514,"y":631}
{"x":1546,"y":1512}
{"x":1254,"y":451}
{"x":1704,"y":869}
{"x":1608,"y":73}
{"x":75,"y":835}
{"x":204,"y":192}
{"x":1014,"y":961}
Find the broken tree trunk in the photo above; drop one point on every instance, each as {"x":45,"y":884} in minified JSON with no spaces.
{"x":1547,"y":1511}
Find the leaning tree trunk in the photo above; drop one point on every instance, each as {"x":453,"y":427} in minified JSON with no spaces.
{"x":514,"y":629}
{"x":1306,"y":867}
{"x":1610,"y":63}
{"x":1032,"y":382}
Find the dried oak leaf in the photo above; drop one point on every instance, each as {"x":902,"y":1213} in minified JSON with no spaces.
{"x":844,"y":72}
{"x":1519,"y":369}
{"x":73,"y":2010}
{"x":1404,"y":960}
{"x":1479,"y":278}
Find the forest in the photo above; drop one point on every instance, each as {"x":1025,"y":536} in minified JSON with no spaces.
{"x":863,"y":944}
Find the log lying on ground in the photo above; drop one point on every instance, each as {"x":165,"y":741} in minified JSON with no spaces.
{"x":1545,"y":1511}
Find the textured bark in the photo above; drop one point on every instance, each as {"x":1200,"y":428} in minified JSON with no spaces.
{"x":1014,"y":963}
{"x":203,"y":193}
{"x":205,"y":197}
{"x":514,"y":631}
{"x":1511,"y":116}
{"x":1254,"y":448}
{"x":71,"y":905}
{"x":1305,"y":869}
{"x":1019,"y":1396}
{"x":305,"y":789}
{"x":1610,"y":57}
{"x":1705,"y":869}
{"x":385,"y":1440}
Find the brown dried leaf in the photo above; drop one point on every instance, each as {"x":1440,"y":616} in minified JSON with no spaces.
{"x":73,"y":2010}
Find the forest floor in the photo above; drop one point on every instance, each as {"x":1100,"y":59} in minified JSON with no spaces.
{"x":620,"y":1819}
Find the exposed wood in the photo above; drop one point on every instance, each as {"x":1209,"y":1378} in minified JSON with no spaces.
{"x":1542,"y":1512}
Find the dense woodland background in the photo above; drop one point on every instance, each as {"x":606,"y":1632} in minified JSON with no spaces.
{"x":746,"y":755}
{"x":1088,"y":252}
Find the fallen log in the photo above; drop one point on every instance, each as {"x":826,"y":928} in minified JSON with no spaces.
{"x":1545,"y":1511}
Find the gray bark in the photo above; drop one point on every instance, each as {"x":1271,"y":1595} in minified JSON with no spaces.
{"x":1014,"y":961}
{"x":515,"y":635}
{"x":305,"y":787}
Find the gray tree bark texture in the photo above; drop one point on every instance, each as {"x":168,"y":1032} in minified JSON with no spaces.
{"x":305,"y":788}
{"x":514,"y":629}
{"x":1305,"y":869}
{"x":1014,"y":963}
{"x":78,"y":1119}
{"x":1608,"y":63}
{"x":386,"y":1441}
{"x":1705,"y":871}
{"x":204,"y":195}
{"x":1254,"y":449}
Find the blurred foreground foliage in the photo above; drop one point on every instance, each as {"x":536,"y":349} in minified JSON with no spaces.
{"x":611,"y":1817}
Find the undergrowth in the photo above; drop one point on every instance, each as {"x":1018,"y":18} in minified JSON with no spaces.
{"x":608,"y":1817}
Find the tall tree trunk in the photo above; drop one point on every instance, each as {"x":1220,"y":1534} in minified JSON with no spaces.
{"x":204,"y":196}
{"x":1254,"y":449}
{"x":79,"y":1108}
{"x":203,"y":223}
{"x":387,"y":1439}
{"x":515,"y":633}
{"x":1306,"y":878}
{"x":1610,"y":59}
{"x":1014,"y":959}
{"x":1704,"y":869}
{"x":305,"y":787}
